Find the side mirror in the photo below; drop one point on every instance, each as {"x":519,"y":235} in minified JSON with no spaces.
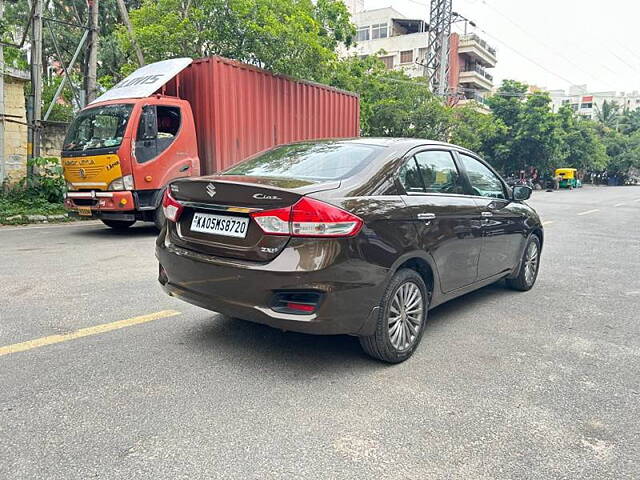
{"x":148,"y":124}
{"x":521,"y":192}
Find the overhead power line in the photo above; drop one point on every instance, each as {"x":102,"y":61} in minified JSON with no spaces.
{"x":531,"y":60}
{"x":543,"y":43}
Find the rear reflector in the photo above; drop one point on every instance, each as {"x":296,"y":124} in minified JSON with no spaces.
{"x":301,"y":307}
{"x":171,"y":207}
{"x":308,"y":218}
{"x":296,"y":302}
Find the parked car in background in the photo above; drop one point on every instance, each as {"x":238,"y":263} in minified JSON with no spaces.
{"x":358,"y":237}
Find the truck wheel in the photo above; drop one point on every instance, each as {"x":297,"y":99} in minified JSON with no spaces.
{"x":118,"y":225}
{"x":403,"y":313}
{"x":158,"y":218}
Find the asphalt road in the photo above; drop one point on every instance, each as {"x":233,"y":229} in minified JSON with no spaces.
{"x":544,"y":384}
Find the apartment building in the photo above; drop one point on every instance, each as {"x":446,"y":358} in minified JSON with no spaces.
{"x":470,"y":58}
{"x":587,"y":103}
{"x":401,"y":43}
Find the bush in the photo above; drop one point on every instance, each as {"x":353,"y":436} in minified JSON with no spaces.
{"x":47,"y":181}
{"x":43,"y":194}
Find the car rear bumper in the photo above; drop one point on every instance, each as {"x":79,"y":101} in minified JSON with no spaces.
{"x":350,"y":288}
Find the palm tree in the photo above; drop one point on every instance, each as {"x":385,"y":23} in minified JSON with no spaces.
{"x":609,"y":114}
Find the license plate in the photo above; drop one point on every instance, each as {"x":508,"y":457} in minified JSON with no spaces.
{"x":220,"y":225}
{"x":84,"y":211}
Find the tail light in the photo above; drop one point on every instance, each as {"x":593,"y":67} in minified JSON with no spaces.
{"x":171,"y":207}
{"x":308,"y":218}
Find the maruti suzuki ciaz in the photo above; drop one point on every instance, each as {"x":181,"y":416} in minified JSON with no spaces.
{"x":358,"y":237}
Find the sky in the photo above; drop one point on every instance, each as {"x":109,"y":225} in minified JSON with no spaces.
{"x":553,"y":43}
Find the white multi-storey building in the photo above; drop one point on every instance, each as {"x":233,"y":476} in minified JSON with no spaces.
{"x":401,"y":43}
{"x":586,"y":103}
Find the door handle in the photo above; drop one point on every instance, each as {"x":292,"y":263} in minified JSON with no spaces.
{"x":426,"y":216}
{"x":487,"y":214}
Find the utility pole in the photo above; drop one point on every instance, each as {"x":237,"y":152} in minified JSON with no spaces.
{"x":92,"y":57}
{"x":125,"y":19}
{"x":437,"y":67}
{"x":36,"y":85}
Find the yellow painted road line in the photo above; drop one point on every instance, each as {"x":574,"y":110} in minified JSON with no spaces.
{"x":589,"y":211}
{"x":548,"y":222}
{"x":619,"y":204}
{"x":85,"y":332}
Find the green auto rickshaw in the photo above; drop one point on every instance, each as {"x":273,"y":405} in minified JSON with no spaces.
{"x":568,"y":178}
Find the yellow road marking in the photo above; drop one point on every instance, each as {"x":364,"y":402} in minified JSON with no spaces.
{"x":548,"y":222}
{"x":85,"y":332}
{"x":589,"y":211}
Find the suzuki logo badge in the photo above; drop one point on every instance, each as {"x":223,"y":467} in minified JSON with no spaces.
{"x":82,"y":172}
{"x":211,"y":189}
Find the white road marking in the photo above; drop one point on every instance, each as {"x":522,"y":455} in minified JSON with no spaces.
{"x":548,"y":222}
{"x":619,"y":204}
{"x":637,"y":200}
{"x":589,"y":211}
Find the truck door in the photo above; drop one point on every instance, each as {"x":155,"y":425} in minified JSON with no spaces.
{"x":164,"y":149}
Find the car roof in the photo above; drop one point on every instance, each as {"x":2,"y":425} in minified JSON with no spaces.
{"x":400,"y":142}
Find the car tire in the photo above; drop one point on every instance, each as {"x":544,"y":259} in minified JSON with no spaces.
{"x":529,"y":267}
{"x":118,"y":225}
{"x":395,"y":341}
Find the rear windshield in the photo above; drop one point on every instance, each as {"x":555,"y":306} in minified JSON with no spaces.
{"x":312,"y":161}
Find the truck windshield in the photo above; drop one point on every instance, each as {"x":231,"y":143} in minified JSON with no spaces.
{"x":311,"y":161}
{"x":99,"y":127}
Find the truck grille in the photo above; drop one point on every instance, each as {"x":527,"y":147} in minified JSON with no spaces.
{"x":84,"y":173}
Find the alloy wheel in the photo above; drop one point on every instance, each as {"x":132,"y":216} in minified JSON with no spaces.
{"x":405,"y":316}
{"x":531,"y":263}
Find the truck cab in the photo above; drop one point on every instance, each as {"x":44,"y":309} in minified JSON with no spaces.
{"x":120,"y":153}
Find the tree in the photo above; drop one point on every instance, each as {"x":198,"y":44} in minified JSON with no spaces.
{"x":582,"y":147}
{"x":292,"y":37}
{"x":609,"y":114}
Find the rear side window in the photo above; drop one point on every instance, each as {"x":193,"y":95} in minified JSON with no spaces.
{"x":312,"y":161}
{"x":432,"y":171}
{"x":483,"y":181}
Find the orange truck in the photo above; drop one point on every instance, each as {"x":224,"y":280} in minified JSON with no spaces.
{"x":181,"y":118}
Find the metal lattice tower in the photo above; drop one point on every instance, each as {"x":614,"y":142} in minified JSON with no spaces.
{"x":437,"y":66}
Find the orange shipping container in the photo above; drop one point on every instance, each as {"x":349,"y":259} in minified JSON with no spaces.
{"x":240,"y":110}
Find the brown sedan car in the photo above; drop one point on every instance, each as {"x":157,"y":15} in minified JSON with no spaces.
{"x":358,"y":237}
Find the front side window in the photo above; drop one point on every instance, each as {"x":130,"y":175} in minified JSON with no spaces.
{"x":158,"y":128}
{"x":379,"y":30}
{"x":432,"y":171}
{"x":98,"y":127}
{"x":308,"y":161}
{"x":362,"y":34}
{"x":484,"y":182}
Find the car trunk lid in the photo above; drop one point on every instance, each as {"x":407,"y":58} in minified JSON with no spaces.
{"x":216,"y":218}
